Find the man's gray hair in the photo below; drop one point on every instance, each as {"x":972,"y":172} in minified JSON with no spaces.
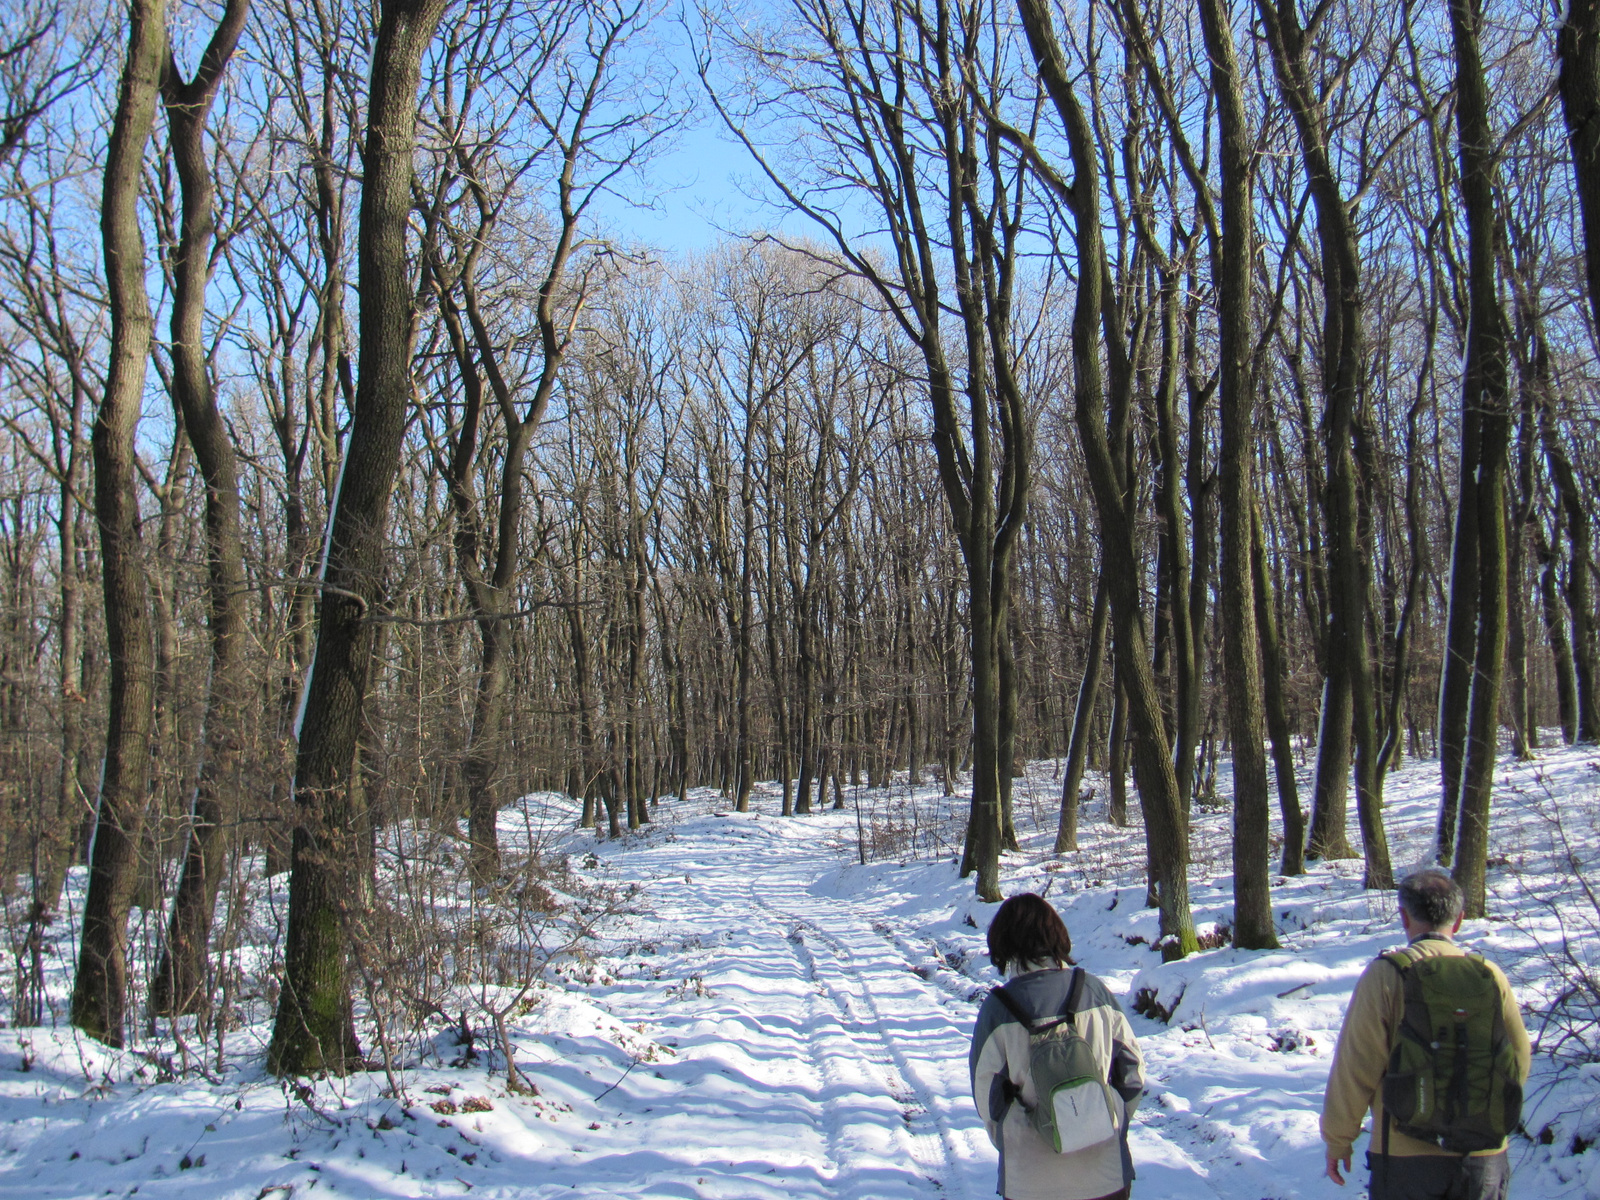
{"x":1430,"y":897}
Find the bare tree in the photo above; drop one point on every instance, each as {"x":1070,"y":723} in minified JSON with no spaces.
{"x":598,"y":120}
{"x":314,"y":1029}
{"x":99,"y":990}
{"x":1578,"y":49}
{"x":40,"y":65}
{"x":874,"y":114}
{"x":179,"y":984}
{"x":1252,"y":901}
{"x":1349,"y":703}
{"x":1102,"y":399}
{"x":55,"y":365}
{"x":1485,"y":449}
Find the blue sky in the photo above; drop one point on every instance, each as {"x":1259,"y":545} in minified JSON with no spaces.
{"x":695,"y":191}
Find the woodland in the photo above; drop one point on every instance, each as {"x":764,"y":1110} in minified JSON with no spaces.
{"x":1193,"y":394}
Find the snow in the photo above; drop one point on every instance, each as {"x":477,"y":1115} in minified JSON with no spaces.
{"x":772,"y":1019}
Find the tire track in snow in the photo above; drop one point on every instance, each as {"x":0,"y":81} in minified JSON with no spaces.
{"x":933,"y":1149}
{"x":884,"y":1046}
{"x":818,"y":1055}
{"x":860,"y":971}
{"x":934,"y":1161}
{"x":937,"y":968}
{"x":1207,"y":1146}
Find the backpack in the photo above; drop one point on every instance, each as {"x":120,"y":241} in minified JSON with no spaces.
{"x":1452,"y":1077}
{"x":1076,"y":1107}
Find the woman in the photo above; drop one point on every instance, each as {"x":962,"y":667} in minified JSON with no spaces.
{"x":1030,"y":946}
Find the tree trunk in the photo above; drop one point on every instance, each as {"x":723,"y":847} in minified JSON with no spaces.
{"x":314,"y":1030}
{"x":744,"y":753}
{"x":985,"y":836}
{"x":1082,"y":714}
{"x":1349,"y":707}
{"x":638,"y":738}
{"x":1103,"y":434}
{"x":99,"y":991}
{"x":1524,"y":718}
{"x":483,"y":763}
{"x":1578,"y":51}
{"x":1006,"y":723}
{"x":179,"y":982}
{"x":1277,"y":711}
{"x":1461,"y":625}
{"x":578,"y":644}
{"x":1579,"y":589}
{"x":1191,"y":677}
{"x":1253,"y":928}
{"x":1404,"y":626}
{"x":907,"y":638}
{"x":1117,"y":756}
{"x":1556,"y":632}
{"x":1485,"y":386}
{"x":1173,"y":650}
{"x":1327,"y":838}
{"x":806,"y":718}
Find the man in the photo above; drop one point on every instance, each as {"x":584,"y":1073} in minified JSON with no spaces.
{"x":1406,"y":1167}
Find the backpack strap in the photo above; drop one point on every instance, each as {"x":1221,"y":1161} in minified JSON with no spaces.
{"x":1074,"y":990}
{"x":1011,"y":1091}
{"x":1401,"y":960}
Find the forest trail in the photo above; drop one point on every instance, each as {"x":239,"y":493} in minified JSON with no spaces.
{"x":770,"y":1020}
{"x":836,"y":1001}
{"x":852,"y":1066}
{"x":841,"y":1043}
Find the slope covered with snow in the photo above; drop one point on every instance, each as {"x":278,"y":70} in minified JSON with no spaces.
{"x":775,"y":1020}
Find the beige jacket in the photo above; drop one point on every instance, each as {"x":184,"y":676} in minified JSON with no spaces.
{"x":1362,"y":1056}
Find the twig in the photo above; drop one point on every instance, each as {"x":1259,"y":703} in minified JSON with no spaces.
{"x":618,"y":1084}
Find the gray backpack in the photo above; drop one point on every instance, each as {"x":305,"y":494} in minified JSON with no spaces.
{"x":1076,"y":1107}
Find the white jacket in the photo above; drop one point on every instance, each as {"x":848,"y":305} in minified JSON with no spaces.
{"x":1029,"y":1168}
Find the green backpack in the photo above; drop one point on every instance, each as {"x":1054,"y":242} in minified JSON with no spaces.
{"x":1076,"y":1108}
{"x":1452,"y":1077}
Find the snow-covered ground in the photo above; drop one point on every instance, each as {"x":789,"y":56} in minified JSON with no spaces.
{"x":772,"y":1019}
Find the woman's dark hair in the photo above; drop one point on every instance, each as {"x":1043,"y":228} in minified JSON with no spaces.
{"x":1028,"y":929}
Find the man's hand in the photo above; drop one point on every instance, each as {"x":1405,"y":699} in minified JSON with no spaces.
{"x":1333,"y":1168}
